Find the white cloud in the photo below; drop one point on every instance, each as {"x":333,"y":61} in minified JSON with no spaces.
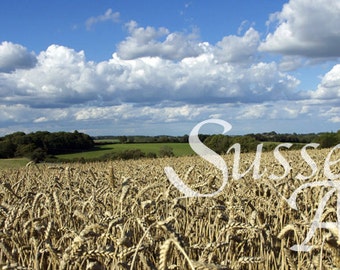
{"x":15,"y":56}
{"x":152,"y":42}
{"x":157,"y":77}
{"x":169,"y":118}
{"x":289,"y":63}
{"x":252,"y":112}
{"x":332,"y":114}
{"x":63,"y":77}
{"x":291,"y":113}
{"x":109,"y":15}
{"x":19,"y":113}
{"x":238,"y":49}
{"x":307,"y":28}
{"x":329,"y":88}
{"x":335,"y":119}
{"x":273,"y":111}
{"x":40,"y":119}
{"x":127,"y":112}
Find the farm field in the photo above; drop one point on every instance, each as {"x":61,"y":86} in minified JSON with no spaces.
{"x":127,"y":215}
{"x":179,"y":149}
{"x":13,"y":162}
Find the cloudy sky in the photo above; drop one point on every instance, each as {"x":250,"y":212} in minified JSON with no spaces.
{"x":155,"y":67}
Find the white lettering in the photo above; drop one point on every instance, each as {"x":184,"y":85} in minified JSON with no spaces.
{"x":207,"y":154}
{"x":282,"y":161}
{"x":255,"y":164}
{"x":309,"y":161}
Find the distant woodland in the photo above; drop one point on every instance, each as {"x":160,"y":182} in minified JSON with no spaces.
{"x":38,"y":145}
{"x":221,"y":143}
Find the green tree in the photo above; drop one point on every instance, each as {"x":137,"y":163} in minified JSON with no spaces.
{"x":219,"y":143}
{"x":7,"y":149}
{"x":327,"y":140}
{"x":38,"y":155}
{"x":248,"y":143}
{"x":122,"y":139}
{"x":25,"y":150}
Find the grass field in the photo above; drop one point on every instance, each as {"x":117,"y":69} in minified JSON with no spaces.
{"x":179,"y":149}
{"x":13,"y":163}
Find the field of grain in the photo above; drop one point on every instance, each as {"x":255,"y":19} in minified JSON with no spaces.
{"x":127,"y":215}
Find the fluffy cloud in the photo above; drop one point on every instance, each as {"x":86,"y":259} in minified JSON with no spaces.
{"x":306,"y":28}
{"x":169,"y":118}
{"x":238,"y":49}
{"x":63,"y":77}
{"x":274,"y":110}
{"x":333,"y":114}
{"x":20,"y":113}
{"x":126,"y":112}
{"x":109,"y":15}
{"x":15,"y":56}
{"x":147,"y":42}
{"x":329,"y":88}
{"x":158,"y":77}
{"x":256,"y":111}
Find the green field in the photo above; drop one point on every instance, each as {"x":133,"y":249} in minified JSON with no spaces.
{"x":179,"y":149}
{"x":13,"y":163}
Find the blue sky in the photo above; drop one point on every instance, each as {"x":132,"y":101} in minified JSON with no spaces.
{"x":160,"y":67}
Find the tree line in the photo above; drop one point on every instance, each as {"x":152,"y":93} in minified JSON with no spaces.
{"x":38,"y":145}
{"x":221,"y":143}
{"x":141,"y":139}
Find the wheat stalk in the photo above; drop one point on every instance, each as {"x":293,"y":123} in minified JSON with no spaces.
{"x":163,"y":253}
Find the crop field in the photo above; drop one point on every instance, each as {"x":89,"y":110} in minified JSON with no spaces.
{"x":127,"y":215}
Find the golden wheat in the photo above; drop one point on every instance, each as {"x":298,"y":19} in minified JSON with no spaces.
{"x":127,"y":215}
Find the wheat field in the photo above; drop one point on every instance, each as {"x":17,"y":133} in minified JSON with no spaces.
{"x":127,"y":215}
